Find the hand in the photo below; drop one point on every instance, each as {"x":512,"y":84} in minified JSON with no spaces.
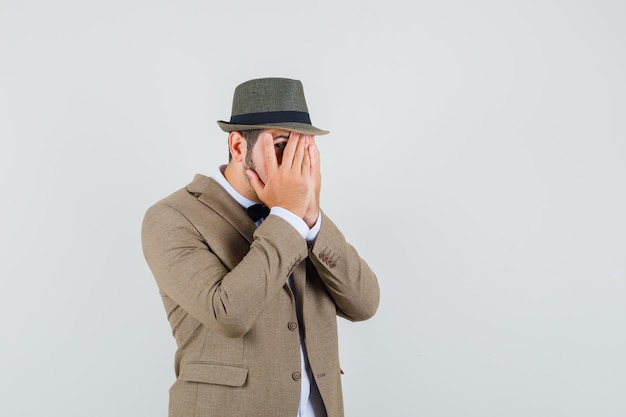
{"x":313,"y":209}
{"x":288,"y":185}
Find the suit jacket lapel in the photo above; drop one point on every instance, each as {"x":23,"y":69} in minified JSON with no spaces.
{"x":211,"y":194}
{"x":299,"y":280}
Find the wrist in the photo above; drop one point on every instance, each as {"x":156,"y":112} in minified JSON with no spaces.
{"x":310,"y":218}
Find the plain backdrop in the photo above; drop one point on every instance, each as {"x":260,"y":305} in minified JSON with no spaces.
{"x":477,"y":161}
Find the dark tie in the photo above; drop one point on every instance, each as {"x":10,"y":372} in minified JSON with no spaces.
{"x":257,"y":212}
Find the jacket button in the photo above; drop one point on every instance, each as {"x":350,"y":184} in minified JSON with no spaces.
{"x":293,"y":325}
{"x":296,"y":376}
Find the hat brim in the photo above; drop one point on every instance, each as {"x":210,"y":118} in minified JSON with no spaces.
{"x":291,"y":126}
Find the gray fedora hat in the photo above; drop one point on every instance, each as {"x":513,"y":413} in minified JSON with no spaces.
{"x":267,"y":103}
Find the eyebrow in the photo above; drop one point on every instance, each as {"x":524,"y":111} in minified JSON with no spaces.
{"x":281,"y":137}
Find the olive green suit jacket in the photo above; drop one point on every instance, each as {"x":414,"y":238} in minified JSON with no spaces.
{"x":235,"y":320}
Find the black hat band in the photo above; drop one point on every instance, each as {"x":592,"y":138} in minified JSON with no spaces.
{"x":271,"y":117}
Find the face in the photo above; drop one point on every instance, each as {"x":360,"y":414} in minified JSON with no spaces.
{"x":255,"y":160}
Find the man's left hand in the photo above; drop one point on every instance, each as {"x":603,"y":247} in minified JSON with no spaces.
{"x":313,"y":209}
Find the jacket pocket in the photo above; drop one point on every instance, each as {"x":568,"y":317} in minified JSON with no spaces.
{"x":214,"y":373}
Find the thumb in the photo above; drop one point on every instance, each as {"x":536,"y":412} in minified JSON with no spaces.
{"x":255,"y":181}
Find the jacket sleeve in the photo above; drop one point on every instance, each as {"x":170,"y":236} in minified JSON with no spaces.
{"x":186,"y":269}
{"x":350,"y":281}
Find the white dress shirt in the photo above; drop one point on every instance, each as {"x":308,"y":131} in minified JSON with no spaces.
{"x":311,"y":404}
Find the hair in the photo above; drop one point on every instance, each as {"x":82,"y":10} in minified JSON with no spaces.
{"x":251,"y":137}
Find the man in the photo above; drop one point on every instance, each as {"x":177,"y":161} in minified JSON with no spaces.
{"x":252,"y":300}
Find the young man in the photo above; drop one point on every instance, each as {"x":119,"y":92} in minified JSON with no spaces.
{"x":251,"y":296}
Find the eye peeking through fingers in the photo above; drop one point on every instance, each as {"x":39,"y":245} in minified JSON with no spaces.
{"x":279,"y":147}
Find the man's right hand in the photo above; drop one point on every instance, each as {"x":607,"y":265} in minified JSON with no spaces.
{"x":290,"y":184}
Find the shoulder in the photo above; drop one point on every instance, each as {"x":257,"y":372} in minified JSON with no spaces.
{"x":186,"y":198}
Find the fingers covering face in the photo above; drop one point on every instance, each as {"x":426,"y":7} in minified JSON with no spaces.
{"x":268,"y":149}
{"x":293,"y":152}
{"x":299,"y":153}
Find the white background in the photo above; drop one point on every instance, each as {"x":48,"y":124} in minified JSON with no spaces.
{"x":477,"y":160}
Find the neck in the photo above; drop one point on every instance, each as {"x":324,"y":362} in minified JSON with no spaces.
{"x":236,"y":176}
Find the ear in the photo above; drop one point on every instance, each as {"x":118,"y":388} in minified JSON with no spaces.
{"x":237,"y":145}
